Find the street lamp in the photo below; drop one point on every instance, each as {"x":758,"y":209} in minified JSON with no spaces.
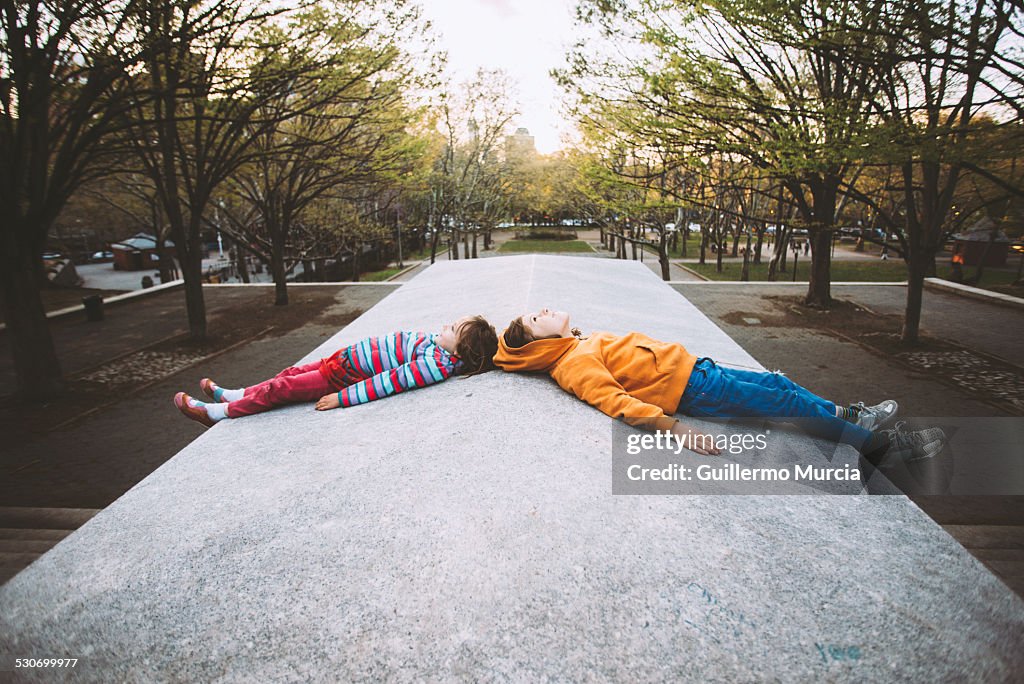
{"x":216,"y":214}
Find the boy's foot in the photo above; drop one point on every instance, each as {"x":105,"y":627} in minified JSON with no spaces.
{"x":911,"y":447}
{"x":193,"y":409}
{"x":874,"y":418}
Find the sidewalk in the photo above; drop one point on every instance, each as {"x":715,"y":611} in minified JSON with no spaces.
{"x":847,"y":372}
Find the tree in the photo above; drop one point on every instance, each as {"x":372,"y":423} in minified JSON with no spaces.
{"x":63,"y":86}
{"x":208,"y":77}
{"x":760,"y":80}
{"x":352,"y":137}
{"x":939,"y":64}
{"x":472,"y":180}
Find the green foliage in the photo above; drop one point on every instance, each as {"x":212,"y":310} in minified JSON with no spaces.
{"x":378,"y":276}
{"x":545,"y":246}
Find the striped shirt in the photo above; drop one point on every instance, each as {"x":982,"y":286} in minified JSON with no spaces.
{"x":381,"y":366}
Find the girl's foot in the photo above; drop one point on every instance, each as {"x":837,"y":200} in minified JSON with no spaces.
{"x":217,"y":393}
{"x":194,"y":409}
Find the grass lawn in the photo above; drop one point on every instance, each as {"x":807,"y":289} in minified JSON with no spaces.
{"x":545,"y":246}
{"x":421,"y":254}
{"x":375,"y":276}
{"x":851,"y":271}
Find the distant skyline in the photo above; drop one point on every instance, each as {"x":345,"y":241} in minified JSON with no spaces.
{"x":526,"y":38}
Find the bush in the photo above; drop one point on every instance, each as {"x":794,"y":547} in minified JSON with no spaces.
{"x":546,"y":234}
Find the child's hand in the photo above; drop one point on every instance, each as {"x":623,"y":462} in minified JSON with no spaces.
{"x":700,"y":442}
{"x":328,"y":402}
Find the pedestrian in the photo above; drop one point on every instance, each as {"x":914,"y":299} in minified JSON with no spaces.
{"x":885,"y":252}
{"x":374,"y":368}
{"x":957,"y":273}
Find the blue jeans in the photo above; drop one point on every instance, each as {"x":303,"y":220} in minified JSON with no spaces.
{"x":716,"y":392}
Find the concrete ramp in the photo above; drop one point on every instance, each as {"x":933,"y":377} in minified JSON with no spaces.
{"x":468,"y":532}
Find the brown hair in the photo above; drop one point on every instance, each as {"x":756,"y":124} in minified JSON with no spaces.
{"x":476,"y":346}
{"x":516,"y":335}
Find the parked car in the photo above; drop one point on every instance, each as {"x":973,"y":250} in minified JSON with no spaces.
{"x":105,"y":255}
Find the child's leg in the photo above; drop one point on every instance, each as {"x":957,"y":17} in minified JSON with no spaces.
{"x":777,"y":381}
{"x":224,"y":394}
{"x":720,"y":394}
{"x":286,"y":373}
{"x":288,"y":387}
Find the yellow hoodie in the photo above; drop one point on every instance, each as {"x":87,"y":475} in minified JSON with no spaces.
{"x":633,"y":376}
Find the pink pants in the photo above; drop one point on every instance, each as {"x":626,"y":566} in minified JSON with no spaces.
{"x":292,"y":385}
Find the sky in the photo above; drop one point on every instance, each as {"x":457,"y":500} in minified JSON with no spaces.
{"x":526,"y":38}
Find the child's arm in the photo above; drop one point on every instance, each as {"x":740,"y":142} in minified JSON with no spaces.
{"x":429,"y":369}
{"x":594,"y":384}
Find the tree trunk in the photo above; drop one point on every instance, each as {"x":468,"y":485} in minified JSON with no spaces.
{"x":757,"y":248}
{"x":663,"y":257}
{"x":37,"y":370}
{"x":745,"y":274}
{"x":241,"y":264}
{"x":192,"y":272}
{"x":278,"y":266}
{"x":783,"y":242}
{"x":915,"y":293}
{"x":165,"y":262}
{"x":819,"y":289}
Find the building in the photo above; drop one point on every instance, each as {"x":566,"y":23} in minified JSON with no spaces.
{"x":137,"y":253}
{"x":520,"y":145}
{"x":973,"y":244}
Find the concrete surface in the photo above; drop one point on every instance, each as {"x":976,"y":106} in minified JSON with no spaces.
{"x":974,"y":293}
{"x":467,"y":532}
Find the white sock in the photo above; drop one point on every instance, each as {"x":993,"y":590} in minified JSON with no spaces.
{"x":232,"y":394}
{"x":217,"y":411}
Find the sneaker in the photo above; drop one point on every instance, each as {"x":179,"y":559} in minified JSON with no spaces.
{"x":911,"y":447}
{"x":874,"y":418}
{"x":196,"y":413}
